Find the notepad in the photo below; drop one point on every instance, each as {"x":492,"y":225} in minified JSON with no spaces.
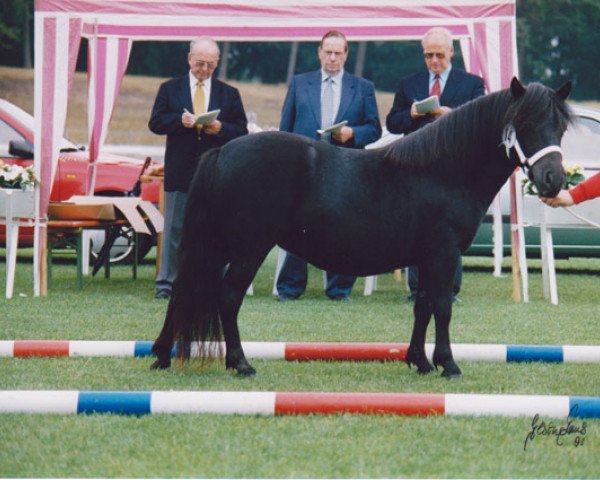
{"x":206,"y":117}
{"x":428,"y":105}
{"x":333,"y":128}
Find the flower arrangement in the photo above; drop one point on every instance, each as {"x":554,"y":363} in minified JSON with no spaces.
{"x":15,"y":176}
{"x":574,"y":176}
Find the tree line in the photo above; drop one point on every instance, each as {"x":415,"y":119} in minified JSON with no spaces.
{"x":553,"y":39}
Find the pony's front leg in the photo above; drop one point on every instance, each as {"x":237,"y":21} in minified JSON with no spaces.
{"x":416,"y":350}
{"x":436,"y":278}
{"x":442,"y":354}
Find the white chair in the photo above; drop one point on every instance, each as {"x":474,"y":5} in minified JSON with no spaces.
{"x":371,"y":282}
{"x":535,"y":213}
{"x":16,"y":210}
{"x":370,"y":285}
{"x":86,"y":244}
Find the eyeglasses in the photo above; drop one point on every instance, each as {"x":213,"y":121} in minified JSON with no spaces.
{"x":202,"y":64}
{"x":438,"y":55}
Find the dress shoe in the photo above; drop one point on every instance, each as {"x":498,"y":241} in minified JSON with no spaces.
{"x":286,"y":298}
{"x":412,"y":297}
{"x":163,"y":295}
{"x":341,"y":298}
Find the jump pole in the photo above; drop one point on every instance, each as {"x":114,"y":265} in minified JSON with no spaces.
{"x":294,"y":403}
{"x":306,"y":351}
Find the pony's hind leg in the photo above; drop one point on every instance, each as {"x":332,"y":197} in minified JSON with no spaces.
{"x":164,"y":343}
{"x":238,"y":277}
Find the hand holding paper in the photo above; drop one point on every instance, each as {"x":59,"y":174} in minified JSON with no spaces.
{"x":203,"y":118}
{"x":428,"y":105}
{"x":333,"y":128}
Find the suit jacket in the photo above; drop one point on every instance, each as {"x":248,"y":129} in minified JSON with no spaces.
{"x":184,"y":146}
{"x":460,"y":88}
{"x":301,"y":112}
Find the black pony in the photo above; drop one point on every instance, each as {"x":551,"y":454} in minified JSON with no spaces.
{"x":418,"y":201}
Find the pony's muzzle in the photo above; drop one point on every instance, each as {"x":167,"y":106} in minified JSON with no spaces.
{"x":548,"y":175}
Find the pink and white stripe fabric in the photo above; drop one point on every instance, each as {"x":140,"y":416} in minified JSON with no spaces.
{"x":485,"y":28}
{"x":107,"y":63}
{"x":57,"y":41}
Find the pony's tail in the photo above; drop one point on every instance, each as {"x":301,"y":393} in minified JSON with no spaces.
{"x":193,"y":313}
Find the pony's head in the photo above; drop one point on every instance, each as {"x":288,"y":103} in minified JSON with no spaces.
{"x":534,"y":125}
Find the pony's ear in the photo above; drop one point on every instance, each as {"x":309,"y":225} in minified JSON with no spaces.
{"x":517,"y":88}
{"x":563,"y":92}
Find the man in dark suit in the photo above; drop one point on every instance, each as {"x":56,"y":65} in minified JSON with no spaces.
{"x":453,"y":87}
{"x":176,"y":108}
{"x":317,"y":100}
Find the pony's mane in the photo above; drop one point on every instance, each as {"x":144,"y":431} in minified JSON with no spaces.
{"x":451,"y":141}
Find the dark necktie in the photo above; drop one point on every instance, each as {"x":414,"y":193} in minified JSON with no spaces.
{"x":436,"y":88}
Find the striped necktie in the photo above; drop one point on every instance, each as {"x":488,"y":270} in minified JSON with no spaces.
{"x":327,"y":113}
{"x":436,"y":88}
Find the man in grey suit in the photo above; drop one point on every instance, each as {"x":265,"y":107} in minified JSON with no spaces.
{"x":317,"y":100}
{"x":453,"y":87}
{"x":177,"y":105}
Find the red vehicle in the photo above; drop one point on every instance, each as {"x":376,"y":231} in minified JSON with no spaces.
{"x":115,"y":175}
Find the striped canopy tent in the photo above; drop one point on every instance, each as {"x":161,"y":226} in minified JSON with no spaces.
{"x":486,"y":30}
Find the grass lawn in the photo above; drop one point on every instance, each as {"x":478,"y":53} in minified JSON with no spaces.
{"x":342,"y":446}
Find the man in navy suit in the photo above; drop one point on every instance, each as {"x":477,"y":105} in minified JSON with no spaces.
{"x":316,"y":100}
{"x":454,"y":88}
{"x":177,"y":105}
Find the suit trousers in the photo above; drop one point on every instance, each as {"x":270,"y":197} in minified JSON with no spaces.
{"x":174,"y":213}
{"x":293,"y":278}
{"x":413,"y":278}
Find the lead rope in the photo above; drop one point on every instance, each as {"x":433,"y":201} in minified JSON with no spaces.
{"x":583,"y":219}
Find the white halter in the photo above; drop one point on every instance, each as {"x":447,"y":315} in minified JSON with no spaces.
{"x":509,"y":140}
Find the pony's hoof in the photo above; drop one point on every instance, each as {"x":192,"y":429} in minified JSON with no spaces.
{"x":420,"y":361}
{"x":245,"y":371}
{"x":452,"y":373}
{"x":160,"y":364}
{"x":424,"y":369}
